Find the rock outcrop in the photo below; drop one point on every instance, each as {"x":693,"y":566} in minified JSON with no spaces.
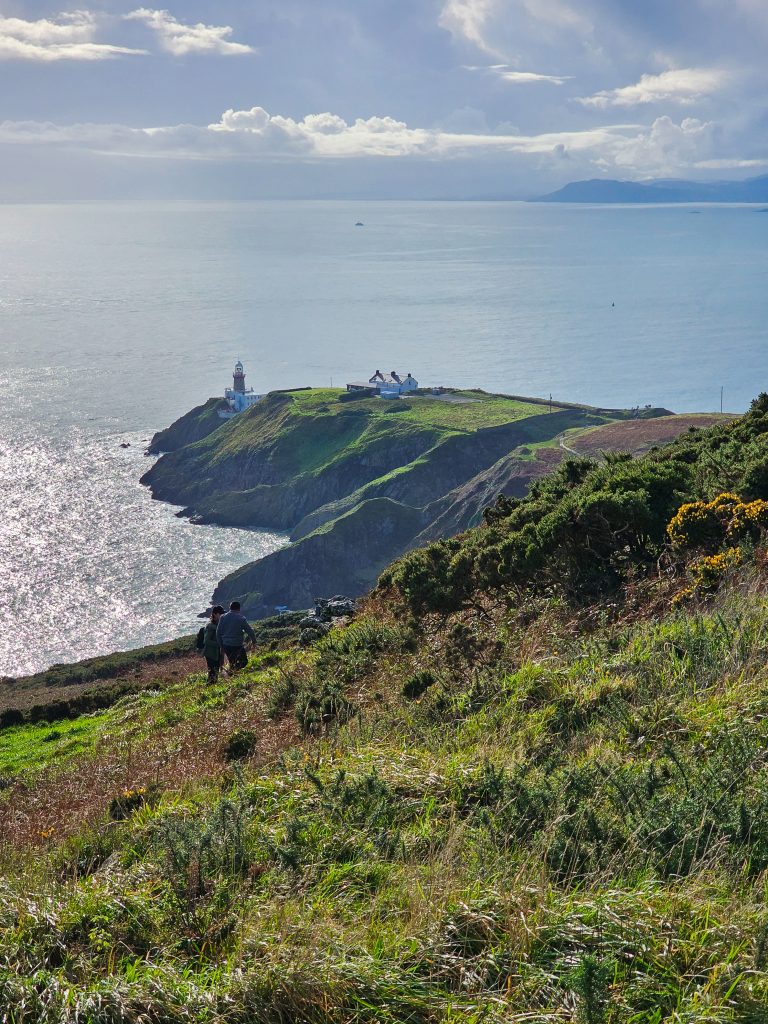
{"x":192,"y":426}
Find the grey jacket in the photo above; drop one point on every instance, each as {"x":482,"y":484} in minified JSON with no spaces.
{"x":231,"y":629}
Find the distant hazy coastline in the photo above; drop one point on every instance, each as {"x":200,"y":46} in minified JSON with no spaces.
{"x":608,"y":190}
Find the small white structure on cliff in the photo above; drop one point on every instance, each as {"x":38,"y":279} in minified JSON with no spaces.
{"x":388,"y":385}
{"x":238,"y":397}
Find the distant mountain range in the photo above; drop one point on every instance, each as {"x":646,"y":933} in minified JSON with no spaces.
{"x":600,"y":190}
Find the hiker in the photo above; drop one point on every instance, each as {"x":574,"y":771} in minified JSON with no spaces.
{"x":230,"y":634}
{"x":212,"y":652}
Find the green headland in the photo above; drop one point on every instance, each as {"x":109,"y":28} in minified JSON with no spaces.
{"x":356,"y":481}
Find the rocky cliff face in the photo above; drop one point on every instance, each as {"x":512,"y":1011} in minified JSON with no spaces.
{"x":191,"y":427}
{"x":346,"y":556}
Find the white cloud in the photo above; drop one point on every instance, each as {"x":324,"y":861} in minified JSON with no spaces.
{"x":179,"y":39}
{"x":77,"y":27}
{"x":681,"y":85}
{"x":468,"y":20}
{"x":554,"y":13}
{"x":730,"y":164}
{"x":67,"y":37}
{"x":330,"y":136}
{"x":508,"y":74}
{"x":491,"y":25}
{"x":667,"y":147}
{"x":662,"y":148}
{"x":526,"y":77}
{"x":257,"y":135}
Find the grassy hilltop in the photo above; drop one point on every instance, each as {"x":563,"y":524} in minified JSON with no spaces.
{"x":527,"y":783}
{"x":358,"y":480}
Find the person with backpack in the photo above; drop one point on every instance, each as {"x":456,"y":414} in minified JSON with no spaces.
{"x":231,"y":632}
{"x":209,"y":646}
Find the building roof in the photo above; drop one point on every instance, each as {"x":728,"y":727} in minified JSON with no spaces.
{"x":393,"y":378}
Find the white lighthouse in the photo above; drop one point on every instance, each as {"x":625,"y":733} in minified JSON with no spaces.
{"x":238,"y":397}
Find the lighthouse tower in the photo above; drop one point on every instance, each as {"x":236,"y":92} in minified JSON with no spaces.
{"x":238,"y":397}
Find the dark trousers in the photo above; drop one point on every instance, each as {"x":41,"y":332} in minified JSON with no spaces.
{"x":214,"y":664}
{"x":236,"y":657}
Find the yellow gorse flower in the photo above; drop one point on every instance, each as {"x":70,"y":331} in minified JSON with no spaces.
{"x":705,"y":523}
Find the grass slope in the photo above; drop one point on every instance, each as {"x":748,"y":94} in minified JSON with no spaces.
{"x":530,"y":785}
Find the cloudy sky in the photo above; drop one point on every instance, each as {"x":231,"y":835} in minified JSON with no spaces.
{"x":414,"y":98}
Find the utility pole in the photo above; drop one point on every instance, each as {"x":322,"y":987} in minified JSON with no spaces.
{"x":550,"y":401}
{"x":721,"y":399}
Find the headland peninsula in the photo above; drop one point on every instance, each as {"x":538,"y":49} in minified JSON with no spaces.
{"x":356,"y":480}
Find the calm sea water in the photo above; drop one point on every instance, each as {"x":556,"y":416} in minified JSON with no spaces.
{"x":117,"y":318}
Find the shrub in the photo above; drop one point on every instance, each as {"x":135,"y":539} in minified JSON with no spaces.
{"x":709,"y":571}
{"x":322,"y":700}
{"x":695,"y":524}
{"x":123,"y":805}
{"x":240,"y":744}
{"x":701,"y":524}
{"x":282,"y":695}
{"x":591,"y":981}
{"x":418,"y":685}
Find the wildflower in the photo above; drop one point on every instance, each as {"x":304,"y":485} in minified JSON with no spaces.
{"x":708,"y":571}
{"x":702,"y":524}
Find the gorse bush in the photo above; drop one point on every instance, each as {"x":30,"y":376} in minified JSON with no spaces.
{"x":587,"y":529}
{"x":320,"y":696}
{"x":708,"y":524}
{"x":240,"y":744}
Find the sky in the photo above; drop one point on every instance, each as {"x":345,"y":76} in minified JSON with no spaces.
{"x":376,"y":98}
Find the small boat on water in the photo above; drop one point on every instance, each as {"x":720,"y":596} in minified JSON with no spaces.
{"x":359,"y":224}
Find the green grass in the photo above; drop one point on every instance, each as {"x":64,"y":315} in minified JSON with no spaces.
{"x":424,"y":410}
{"x":25,"y":749}
{"x":492,"y":848}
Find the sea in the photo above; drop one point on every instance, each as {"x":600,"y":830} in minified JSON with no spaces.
{"x":116,"y":318}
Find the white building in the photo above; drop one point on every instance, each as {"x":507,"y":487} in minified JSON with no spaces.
{"x":388,"y":385}
{"x":238,"y":397}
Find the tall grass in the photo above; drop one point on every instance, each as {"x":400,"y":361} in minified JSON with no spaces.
{"x":569,"y":827}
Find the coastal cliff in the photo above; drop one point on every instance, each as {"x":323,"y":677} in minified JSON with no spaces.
{"x":356,"y":481}
{"x":191,"y":427}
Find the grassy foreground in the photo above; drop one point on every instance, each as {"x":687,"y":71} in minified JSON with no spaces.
{"x":529,"y":784}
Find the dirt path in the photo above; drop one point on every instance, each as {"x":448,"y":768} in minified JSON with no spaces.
{"x":565,"y":447}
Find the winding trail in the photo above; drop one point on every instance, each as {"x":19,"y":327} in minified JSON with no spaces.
{"x":565,"y":447}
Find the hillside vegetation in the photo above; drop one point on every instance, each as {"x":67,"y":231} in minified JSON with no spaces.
{"x":355,"y":480}
{"x":527,"y":783}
